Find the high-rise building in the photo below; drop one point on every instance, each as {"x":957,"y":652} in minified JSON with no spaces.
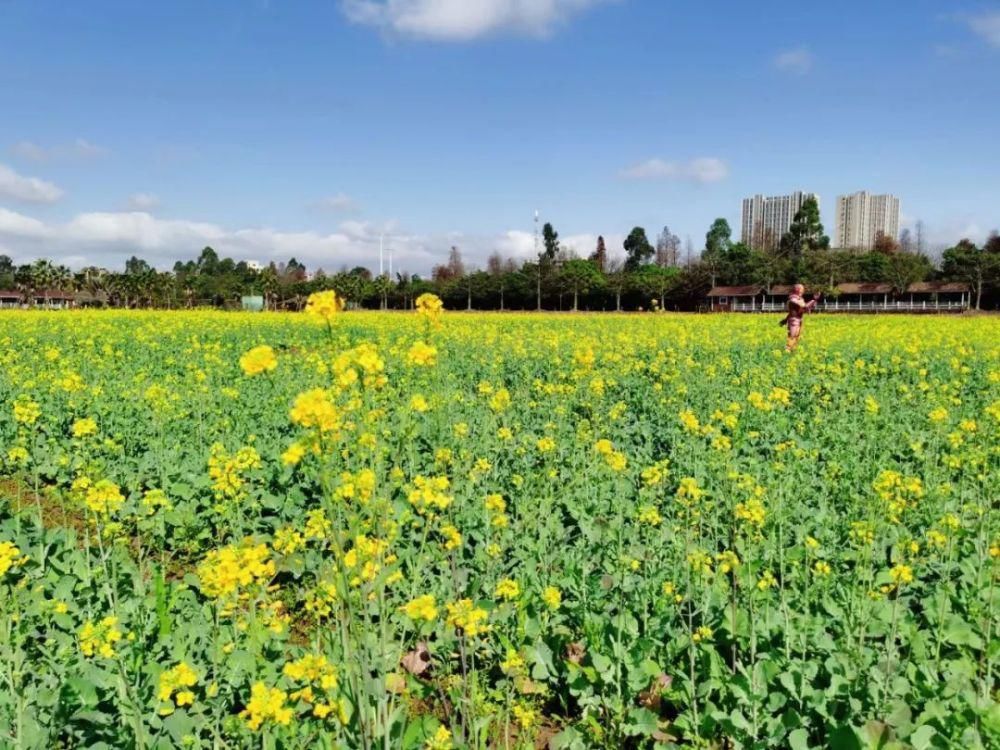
{"x":766,"y":220}
{"x":862,"y":217}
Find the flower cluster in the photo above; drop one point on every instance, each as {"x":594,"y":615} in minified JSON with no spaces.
{"x":100,"y":638}
{"x":324,"y":306}
{"x":259,"y":360}
{"x":226,"y":571}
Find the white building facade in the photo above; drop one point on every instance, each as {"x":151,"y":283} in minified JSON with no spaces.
{"x":862,"y":217}
{"x":767,"y":219}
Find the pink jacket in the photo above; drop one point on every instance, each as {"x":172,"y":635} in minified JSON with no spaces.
{"x":797,"y":307}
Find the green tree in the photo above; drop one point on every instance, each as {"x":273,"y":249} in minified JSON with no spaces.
{"x":717,"y":242}
{"x":208,"y":261}
{"x":767,"y":268}
{"x":979,"y":266}
{"x":6,"y":272}
{"x":806,"y":232}
{"x":907,"y":268}
{"x":580,"y":276}
{"x":737,"y":264}
{"x":600,"y":255}
{"x":476,"y":284}
{"x":718,"y":238}
{"x":550,"y":240}
{"x":656,"y":281}
{"x":381,"y":285}
{"x":617,"y":281}
{"x":637,"y":249}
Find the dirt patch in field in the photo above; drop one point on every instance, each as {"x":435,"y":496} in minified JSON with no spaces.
{"x":52,"y":511}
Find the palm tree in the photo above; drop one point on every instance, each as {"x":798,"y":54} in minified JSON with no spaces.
{"x":42,"y":276}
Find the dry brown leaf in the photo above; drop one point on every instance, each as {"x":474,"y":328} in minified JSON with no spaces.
{"x":417,"y":661}
{"x":575,"y":652}
{"x":651,"y":697}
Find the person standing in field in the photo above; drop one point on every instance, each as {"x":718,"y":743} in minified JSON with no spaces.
{"x":797,"y":307}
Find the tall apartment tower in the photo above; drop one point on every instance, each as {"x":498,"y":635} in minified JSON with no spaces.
{"x":766,"y":220}
{"x":862,"y":217}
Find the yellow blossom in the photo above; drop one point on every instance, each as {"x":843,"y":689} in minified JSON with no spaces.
{"x":84,"y":427}
{"x":100,"y":637}
{"x":901,"y":574}
{"x":552,"y":597}
{"x":422,"y":608}
{"x":440,"y":740}
{"x":467,"y":618}
{"x":26,"y":410}
{"x":323,"y":305}
{"x":266,"y":705}
{"x":508,"y":589}
{"x":104,"y":497}
{"x":422,"y":355}
{"x":176,"y":679}
{"x":10,"y":557}
{"x":258,"y":360}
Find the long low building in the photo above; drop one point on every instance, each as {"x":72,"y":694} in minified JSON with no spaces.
{"x":852,"y":296}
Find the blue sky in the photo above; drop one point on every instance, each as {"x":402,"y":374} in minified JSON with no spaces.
{"x":271,"y":128}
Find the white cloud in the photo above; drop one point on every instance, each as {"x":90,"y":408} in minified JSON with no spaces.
{"x":986,"y":25}
{"x":143,"y":202}
{"x":27,"y":189}
{"x":15,"y":225}
{"x":516,"y":244}
{"x":338,"y":203}
{"x":943,"y":234}
{"x":703,"y":169}
{"x":798,"y":61}
{"x":78,"y":150}
{"x":108,"y":238}
{"x":462,"y":20}
{"x":520,"y":245}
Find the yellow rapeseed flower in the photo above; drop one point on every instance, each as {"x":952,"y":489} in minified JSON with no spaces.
{"x":324,"y":305}
{"x":84,"y":427}
{"x":422,"y":355}
{"x":258,"y":360}
{"x":266,"y":705}
{"x":467,"y":618}
{"x":422,"y":608}
{"x":552,"y":597}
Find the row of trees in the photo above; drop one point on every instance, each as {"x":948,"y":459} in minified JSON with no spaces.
{"x":647,"y":275}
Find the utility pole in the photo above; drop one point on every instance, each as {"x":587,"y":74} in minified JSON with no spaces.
{"x":381,"y":237}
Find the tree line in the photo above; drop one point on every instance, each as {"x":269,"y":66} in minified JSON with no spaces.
{"x":649,"y":275}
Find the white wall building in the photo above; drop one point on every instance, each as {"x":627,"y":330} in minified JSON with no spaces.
{"x":767,"y":219}
{"x":862,"y":217}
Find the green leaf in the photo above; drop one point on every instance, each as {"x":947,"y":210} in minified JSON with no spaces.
{"x":740,"y":721}
{"x":844,"y":738}
{"x":567,"y":739}
{"x":799,"y":739}
{"x":543,"y":667}
{"x":84,"y":690}
{"x":960,"y":633}
{"x":642,"y":722}
{"x":179,"y":724}
{"x":602,"y":664}
{"x":922,"y":737}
